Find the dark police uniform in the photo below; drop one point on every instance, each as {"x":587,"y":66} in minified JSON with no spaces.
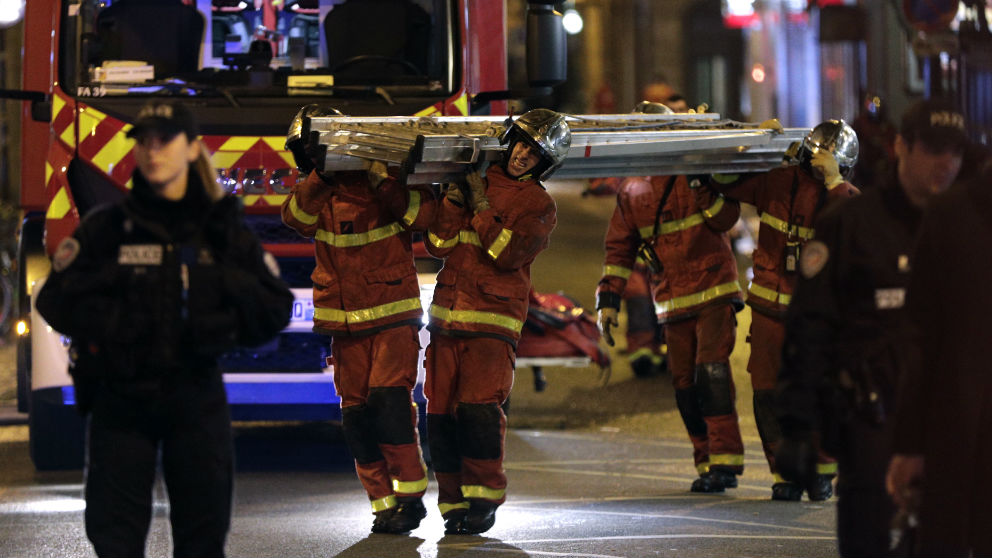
{"x":845,"y":350}
{"x":151,"y":292}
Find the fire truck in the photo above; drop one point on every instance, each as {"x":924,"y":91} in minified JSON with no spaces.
{"x":245,"y":68}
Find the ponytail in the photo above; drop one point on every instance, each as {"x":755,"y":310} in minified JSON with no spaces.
{"x":208,"y":174}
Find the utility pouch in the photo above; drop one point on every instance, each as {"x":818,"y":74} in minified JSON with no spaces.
{"x":791,"y":257}
{"x":646,"y":252}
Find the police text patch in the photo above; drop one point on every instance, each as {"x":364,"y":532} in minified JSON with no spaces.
{"x":140,"y":254}
{"x":814,"y":256}
{"x":890,"y":299}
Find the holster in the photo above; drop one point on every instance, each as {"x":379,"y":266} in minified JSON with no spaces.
{"x":87,"y":368}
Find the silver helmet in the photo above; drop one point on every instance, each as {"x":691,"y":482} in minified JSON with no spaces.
{"x":545,"y":129}
{"x":648,"y":107}
{"x":307,"y":153}
{"x":836,"y":137}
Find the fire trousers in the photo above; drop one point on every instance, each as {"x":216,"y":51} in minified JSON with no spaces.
{"x":767,"y":335}
{"x":644,"y":335}
{"x":374,"y":375}
{"x":699,"y":359}
{"x":468,"y":378}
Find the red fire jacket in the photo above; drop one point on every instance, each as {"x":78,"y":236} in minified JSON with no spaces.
{"x":788,"y":200}
{"x":691,"y":243}
{"x":484,"y":284}
{"x":365,"y":279}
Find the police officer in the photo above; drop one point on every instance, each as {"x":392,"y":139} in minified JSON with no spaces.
{"x":788,"y":199}
{"x":367,"y":300}
{"x":679,"y":228}
{"x":152,"y":290}
{"x":488,"y":237}
{"x":845,"y":347}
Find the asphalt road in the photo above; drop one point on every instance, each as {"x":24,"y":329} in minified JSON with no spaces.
{"x":571,"y":493}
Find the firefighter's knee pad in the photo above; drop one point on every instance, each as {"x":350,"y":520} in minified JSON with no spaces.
{"x":479,"y":430}
{"x":687,"y":401}
{"x":764,"y":416}
{"x":714,"y":384}
{"x":359,"y":434}
{"x":442,"y":439}
{"x":393,"y":415}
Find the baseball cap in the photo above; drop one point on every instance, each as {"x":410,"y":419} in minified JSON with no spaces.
{"x":937,"y":123}
{"x":165,"y":119}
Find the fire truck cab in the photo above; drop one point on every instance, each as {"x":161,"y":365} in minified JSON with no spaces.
{"x":244,"y":67}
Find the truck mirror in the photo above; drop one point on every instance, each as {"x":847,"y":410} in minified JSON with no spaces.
{"x":546,"y":53}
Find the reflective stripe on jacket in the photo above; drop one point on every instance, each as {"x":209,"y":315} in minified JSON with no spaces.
{"x":365,"y":278}
{"x":691,"y":244}
{"x":484,"y":285}
{"x":784,"y":218}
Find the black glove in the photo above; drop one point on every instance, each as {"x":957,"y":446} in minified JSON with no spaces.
{"x":795,"y":459}
{"x":698,"y":180}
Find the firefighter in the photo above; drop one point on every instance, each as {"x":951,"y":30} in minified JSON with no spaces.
{"x":788,"y":200}
{"x":845,"y":342}
{"x":488,"y":238}
{"x":367,"y":300}
{"x":152,"y":290}
{"x":679,"y":228}
{"x":646,"y":349}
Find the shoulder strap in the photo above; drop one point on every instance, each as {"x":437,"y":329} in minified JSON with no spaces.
{"x":664,"y":198}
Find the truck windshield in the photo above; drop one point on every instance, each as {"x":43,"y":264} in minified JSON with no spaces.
{"x":239,"y":49}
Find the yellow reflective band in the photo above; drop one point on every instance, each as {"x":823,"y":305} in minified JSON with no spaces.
{"x":669,"y":227}
{"x":783,"y":227}
{"x":60,"y":205}
{"x":479,"y":491}
{"x":769,"y":294}
{"x":777,"y":478}
{"x":714,"y":209}
{"x":358,"y":239}
{"x":413,"y":208}
{"x":703,"y":468}
{"x":473,"y":317}
{"x":409,"y":487}
{"x":464,"y":237}
{"x":445,"y":508}
{"x":826,"y":468}
{"x":299,"y":214}
{"x":366,"y":314}
{"x":617,"y":271}
{"x":726,"y":459}
{"x":644,"y":352}
{"x":500,"y":243}
{"x":693,"y":299}
{"x":725,"y":178}
{"x":383,"y":504}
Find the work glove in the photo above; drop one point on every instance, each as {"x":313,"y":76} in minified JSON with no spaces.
{"x":454,"y":193}
{"x":795,"y":459}
{"x":607,"y":320}
{"x":825,"y":162}
{"x":377,"y":172}
{"x":477,"y":191}
{"x":772,"y":124}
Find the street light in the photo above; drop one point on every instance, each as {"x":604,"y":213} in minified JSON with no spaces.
{"x":572,"y":21}
{"x":11,"y":12}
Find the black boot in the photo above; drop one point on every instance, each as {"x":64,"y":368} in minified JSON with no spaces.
{"x":821,"y":488}
{"x":454,"y":522}
{"x":714,"y":481}
{"x":481,"y":517}
{"x":787,"y":491}
{"x":406,"y":516}
{"x":381,"y":522}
